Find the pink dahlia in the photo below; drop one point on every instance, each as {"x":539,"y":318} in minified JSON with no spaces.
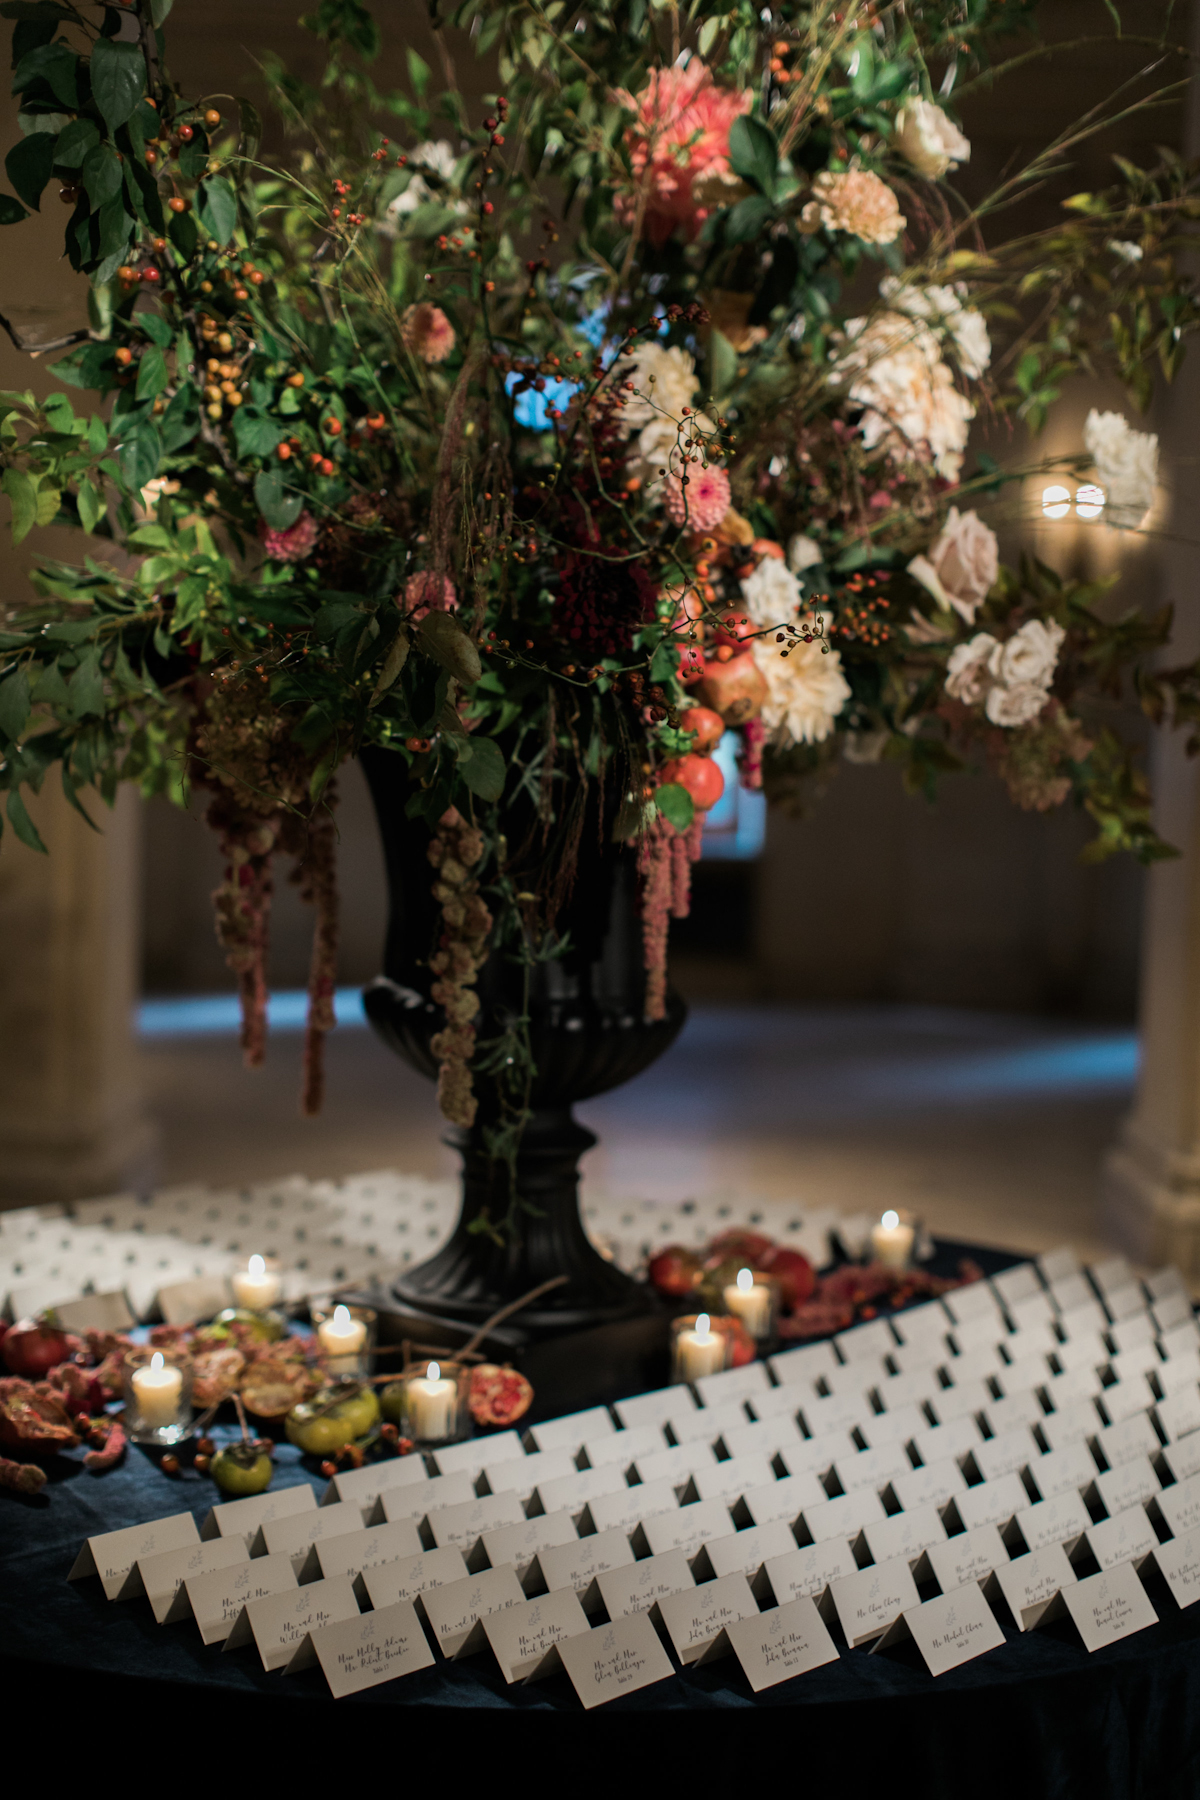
{"x":292,"y":545}
{"x":427,"y":332}
{"x":426,"y":592}
{"x":679,"y":149}
{"x":703,"y":503}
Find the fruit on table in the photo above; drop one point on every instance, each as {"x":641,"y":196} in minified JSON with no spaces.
{"x":327,"y":1422}
{"x":242,"y":1469}
{"x":735,"y":689}
{"x":795,"y":1274}
{"x":391,"y":1402}
{"x":675,"y":1271}
{"x":264,"y":1328}
{"x":32,"y":1348}
{"x":699,"y":775}
{"x":498,"y":1396}
{"x":708,"y":726}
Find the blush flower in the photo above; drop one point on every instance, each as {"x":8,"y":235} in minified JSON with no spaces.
{"x":928,"y":140}
{"x":679,"y":150}
{"x":703,"y":503}
{"x":425,"y":592}
{"x":855,"y":202}
{"x":292,"y":545}
{"x":962,"y":564}
{"x":891,"y":367}
{"x":806,"y":690}
{"x":427,"y":332}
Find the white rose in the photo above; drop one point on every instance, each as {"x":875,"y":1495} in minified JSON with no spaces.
{"x":1029,"y":656}
{"x":962,"y":564}
{"x":806,"y":691}
{"x":771,"y":593}
{"x":1016,"y":705}
{"x":943,"y":308}
{"x":803,"y":554}
{"x":1126,"y":466}
{"x":891,"y":366}
{"x":930,"y":141}
{"x":655,"y":402}
{"x":967,"y":675}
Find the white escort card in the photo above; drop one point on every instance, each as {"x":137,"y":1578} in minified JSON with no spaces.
{"x":455,"y":1610}
{"x":388,"y":1583}
{"x":1079,"y":1320}
{"x":295,"y":1536}
{"x":867,"y":1601}
{"x":931,"y":1485}
{"x":1127,"y":1485}
{"x":763,"y":1438}
{"x":640,"y":1586}
{"x":873,"y":1339}
{"x":470,"y":1456}
{"x":421,"y":1497}
{"x":1087,"y":1350}
{"x":1180,"y":1506}
{"x":521,"y":1474}
{"x":356,"y":1551}
{"x":614,"y":1659}
{"x":787,"y":1641}
{"x":1166,"y":1280}
{"x":366,"y":1484}
{"x":1171,"y":1311}
{"x":572,"y":1430}
{"x":280,"y":1623}
{"x":1061,"y":1471}
{"x":776,"y":1403}
{"x":1124,"y":1302}
{"x":1182,"y":1458}
{"x":1002,"y":1455}
{"x":1016,"y":1283}
{"x":1062,"y":1520}
{"x":745,"y":1552}
{"x":1109,"y":1606}
{"x":729,"y":1480}
{"x":950,"y":1630}
{"x":732,"y":1384}
{"x":805,"y":1364}
{"x":1179,"y":1565}
{"x":982,"y":1333}
{"x":856,"y":1380}
{"x":687,"y":1527}
{"x":783,"y":1499}
{"x":906,"y":1534}
{"x":971,"y":1556}
{"x":112,"y":1554}
{"x":809,"y":1570}
{"x":922,"y":1357}
{"x":1031,"y":1583}
{"x":242,"y":1518}
{"x":1113,"y":1273}
{"x":367,"y":1651}
{"x":872,"y":1468}
{"x":919,"y":1324}
{"x":163,"y":1574}
{"x":1079,"y":1383}
{"x":1179,"y":1414}
{"x":1180,"y":1340}
{"x":1140,"y":1359}
{"x":628,"y":1506}
{"x":519,"y":1544}
{"x":705,"y":1424}
{"x":957,"y":1439}
{"x":910,"y":1388}
{"x":621,"y":1448}
{"x":1126,"y":1537}
{"x":676,"y":1465}
{"x":697,"y":1619}
{"x":991,"y":1503}
{"x":1124,"y":1399}
{"x":1178,"y":1372}
{"x":218,"y":1596}
{"x":1058,"y":1265}
{"x":1014,"y":1410}
{"x":1068,"y":1424}
{"x":656,"y":1407}
{"x":466,"y":1523}
{"x":576,"y":1565}
{"x":834,"y":1412}
{"x":571,"y":1493}
{"x":1030,"y":1312}
{"x":898,"y":1426}
{"x":523,"y":1638}
{"x":817,"y":1454}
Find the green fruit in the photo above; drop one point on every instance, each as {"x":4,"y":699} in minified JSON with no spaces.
{"x":319,"y":1428}
{"x":391,"y":1402}
{"x":239,"y":1471}
{"x":265,"y":1328}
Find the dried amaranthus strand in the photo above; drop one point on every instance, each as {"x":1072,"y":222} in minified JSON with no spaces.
{"x":665,"y":858}
{"x":454,"y":851}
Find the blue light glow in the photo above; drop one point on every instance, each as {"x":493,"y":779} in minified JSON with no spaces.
{"x":217,"y":1015}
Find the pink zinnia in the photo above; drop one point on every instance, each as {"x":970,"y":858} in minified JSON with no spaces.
{"x":425,"y":592}
{"x":679,"y":148}
{"x":703,"y":503}
{"x":292,"y":545}
{"x":427,"y":332}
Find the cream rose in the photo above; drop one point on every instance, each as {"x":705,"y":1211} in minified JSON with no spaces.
{"x":803,"y":554}
{"x":928,"y":140}
{"x":771,"y":593}
{"x":806,"y":691}
{"x":967,"y":676}
{"x":855,"y":202}
{"x":962,"y":564}
{"x":662,"y":398}
{"x":891,"y":366}
{"x":1126,"y":464}
{"x":1016,"y":705}
{"x":1030,"y":655}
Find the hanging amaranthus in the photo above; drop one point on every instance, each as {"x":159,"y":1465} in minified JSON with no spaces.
{"x":454,"y":851}
{"x":665,"y":858}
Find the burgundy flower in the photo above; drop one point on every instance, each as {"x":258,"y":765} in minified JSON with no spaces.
{"x":599,"y":605}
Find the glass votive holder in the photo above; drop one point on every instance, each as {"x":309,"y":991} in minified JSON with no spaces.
{"x":699,"y":1346}
{"x":434,"y":1402}
{"x":753,"y":1297}
{"x":345,"y":1337}
{"x":894,"y":1238}
{"x":158,"y":1395}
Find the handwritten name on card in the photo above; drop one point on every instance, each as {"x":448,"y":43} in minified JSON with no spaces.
{"x":745,"y":1552}
{"x":687,"y":1527}
{"x":572,"y":1430}
{"x":991,"y":1503}
{"x":778,"y":1645}
{"x":954,"y":1629}
{"x":868,"y":1601}
{"x":218,"y":1597}
{"x":806,"y":1573}
{"x":571,"y":1493}
{"x":697,"y":1619}
{"x":1179,"y":1566}
{"x":676,"y":1465}
{"x":365,"y":1485}
{"x":465,"y":1524}
{"x":163,"y":1575}
{"x":112,"y":1554}
{"x":971,"y":1556}
{"x":628,"y":1506}
{"x":783,"y":1500}
{"x":519,"y":1544}
{"x":468,"y":1458}
{"x":932,"y":1485}
{"x":615,"y":1659}
{"x":1030,"y":1583}
{"x":419,"y":1498}
{"x":354,"y":1552}
{"x":1109,"y":1606}
{"x":1062,"y":1520}
{"x":1127,"y":1485}
{"x":243,"y":1518}
{"x":622,"y":1448}
{"x":454,"y":1611}
{"x":367,"y":1651}
{"x":1126,"y":1537}
{"x":523,"y":1638}
{"x":843,"y":1517}
{"x":280,"y":1623}
{"x":1063,"y":1471}
{"x":389,"y":1583}
{"x":297,"y":1535}
{"x":576,"y":1564}
{"x":640,"y":1586}
{"x":521,"y":1474}
{"x":905,"y":1534}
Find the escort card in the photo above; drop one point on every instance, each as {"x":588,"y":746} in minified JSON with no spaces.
{"x":676,"y":1465}
{"x":784,"y":1499}
{"x":1067,"y":1424}
{"x":971,"y":1556}
{"x":745,"y":1552}
{"x":421,"y":1497}
{"x":521,"y":1474}
{"x":705,"y":1424}
{"x":843,"y":1517}
{"x":162,"y":1575}
{"x":365,"y":1652}
{"x":280,"y":1623}
{"x":763,"y":1438}
{"x":1062,"y":1520}
{"x":1124,"y":1302}
{"x":868,"y":1601}
{"x":112,"y":1554}
{"x":388,"y":1583}
{"x":921,"y":1323}
{"x":571,"y":1493}
{"x":732,"y":1384}
{"x":817,"y":1454}
{"x":983,"y":1333}
{"x":574,"y":1429}
{"x":956,"y":1439}
{"x":1088,"y":1350}
{"x":630,"y":1505}
{"x":1180,"y":1506}
{"x":854,"y":1381}
{"x":1071,"y":1292}
{"x":656,"y":1407}
{"x":872,"y":1468}
{"x":614,"y":1659}
{"x":523,"y":1637}
{"x":1182,"y":1458}
{"x":1179,"y":1565}
{"x":218,"y":1596}
{"x":1030,"y":1583}
{"x":577,"y":1564}
{"x":949,"y":1631}
{"x":961,"y":1402}
{"x":519,"y":1544}
{"x":899,"y":1426}
{"x":1059,"y":1265}
{"x":466,"y":1523}
{"x":921,"y":1356}
{"x":1171,"y":1311}
{"x":1166,"y":1280}
{"x":620,"y":1448}
{"x":974,"y":1365}
{"x":802,"y":1365}
{"x":697,"y":1619}
{"x":777,"y":1403}
{"x":1178,"y":1372}
{"x":1089,"y":1317}
{"x":1063,"y":1471}
{"x":455,"y":1611}
{"x":874,"y":1339}
{"x":1074,"y":1384}
{"x":1124,"y":1399}
{"x":1001,"y":1455}
{"x":357,"y":1551}
{"x":1126,"y":1537}
{"x":1109,"y":1606}
{"x":931,"y":1485}
{"x":1141,"y":1359}
{"x":296,"y":1535}
{"x":469,"y":1457}
{"x":687,"y":1527}
{"x":991,"y":1503}
{"x":640,"y":1586}
{"x":905,"y":1534}
{"x":789,"y":1640}
{"x":1032,"y":1341}
{"x":1033,"y":1311}
{"x":366,"y":1484}
{"x":1113,"y":1273}
{"x":1014,"y":1410}
{"x":729,"y":1480}
{"x":242,"y":1518}
{"x":836,"y":1412}
{"x":1180,"y":1339}
{"x":1127,"y":1485}
{"x":1017,"y":1284}
{"x":809,"y":1570}
{"x":907,"y":1389}
{"x":1179,"y":1413}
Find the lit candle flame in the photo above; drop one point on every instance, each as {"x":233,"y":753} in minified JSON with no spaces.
{"x":156,"y":1361}
{"x":890,"y":1220}
{"x":702,"y":1325}
{"x":434,"y":1372}
{"x":258,"y":1267}
{"x":745,"y":1281}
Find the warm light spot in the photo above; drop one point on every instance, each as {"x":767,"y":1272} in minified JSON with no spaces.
{"x":258,"y":1267}
{"x":341,"y":1319}
{"x":434,"y":1372}
{"x":156,"y":1361}
{"x":1056,"y":502}
{"x":745,"y":1281}
{"x":890,"y":1220}
{"x":1089,"y":501}
{"x":701,"y":1325}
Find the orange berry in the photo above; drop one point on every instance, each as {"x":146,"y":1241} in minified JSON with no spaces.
{"x":124,"y":356}
{"x":283,"y":452}
{"x":212,"y":118}
{"x":334,"y":427}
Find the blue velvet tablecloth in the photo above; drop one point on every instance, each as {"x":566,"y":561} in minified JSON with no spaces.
{"x":1039,"y":1717}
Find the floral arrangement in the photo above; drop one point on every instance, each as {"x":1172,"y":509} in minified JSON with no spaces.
{"x":541,"y":448}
